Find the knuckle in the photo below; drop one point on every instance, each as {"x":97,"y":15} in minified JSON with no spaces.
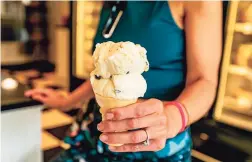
{"x":118,"y":115}
{"x":135,"y":138}
{"x":133,"y":123}
{"x":158,"y":104}
{"x":139,"y":111}
{"x":153,"y":100}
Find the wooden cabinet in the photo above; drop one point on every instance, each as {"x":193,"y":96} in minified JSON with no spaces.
{"x":234,"y":99}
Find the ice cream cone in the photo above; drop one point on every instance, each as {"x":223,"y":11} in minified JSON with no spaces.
{"x":116,"y":79}
{"x":106,"y":103}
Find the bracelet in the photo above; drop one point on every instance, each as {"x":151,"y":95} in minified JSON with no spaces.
{"x":182,"y":114}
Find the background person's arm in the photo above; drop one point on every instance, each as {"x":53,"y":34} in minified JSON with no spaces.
{"x":203,"y":28}
{"x":55,"y":99}
{"x":83,"y":93}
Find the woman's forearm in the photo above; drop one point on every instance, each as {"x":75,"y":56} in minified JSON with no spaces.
{"x":197,"y":98}
{"x":203,"y":53}
{"x":82,"y":94}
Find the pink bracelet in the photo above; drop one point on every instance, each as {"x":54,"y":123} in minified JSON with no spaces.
{"x":182,"y":114}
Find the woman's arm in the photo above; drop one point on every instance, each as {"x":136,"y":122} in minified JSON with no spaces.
{"x":83,"y":93}
{"x":55,"y":99}
{"x":203,"y":27}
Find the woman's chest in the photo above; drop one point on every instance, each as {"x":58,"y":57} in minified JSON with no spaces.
{"x":150,"y":24}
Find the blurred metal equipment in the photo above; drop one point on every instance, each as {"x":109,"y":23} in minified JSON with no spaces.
{"x":116,"y":13}
{"x":234,"y":99}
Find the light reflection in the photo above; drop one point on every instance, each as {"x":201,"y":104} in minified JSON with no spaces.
{"x":244,"y":102}
{"x":26,"y":2}
{"x":9,"y":84}
{"x":245,"y":28}
{"x":204,"y":136}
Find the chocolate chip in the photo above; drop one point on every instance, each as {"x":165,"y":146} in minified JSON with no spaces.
{"x":117,"y":91}
{"x":127,"y":72}
{"x":97,"y":77}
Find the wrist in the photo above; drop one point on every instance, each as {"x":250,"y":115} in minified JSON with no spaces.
{"x":66,"y":104}
{"x":70,"y":103}
{"x":178,"y":113}
{"x":174,"y":122}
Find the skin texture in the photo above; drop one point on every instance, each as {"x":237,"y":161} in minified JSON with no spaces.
{"x":202,"y":22}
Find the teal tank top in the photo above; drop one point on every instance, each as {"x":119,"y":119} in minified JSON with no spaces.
{"x":151,"y":25}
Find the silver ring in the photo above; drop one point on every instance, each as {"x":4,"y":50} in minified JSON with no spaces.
{"x":147,"y":141}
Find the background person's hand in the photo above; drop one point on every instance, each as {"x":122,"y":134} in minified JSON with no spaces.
{"x":150,"y":115}
{"x":49,"y":97}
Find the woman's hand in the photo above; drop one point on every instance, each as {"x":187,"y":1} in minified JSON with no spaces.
{"x":49,"y":97}
{"x":160,"y":123}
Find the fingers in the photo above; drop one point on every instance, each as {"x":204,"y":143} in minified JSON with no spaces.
{"x":131,"y":124}
{"x":29,"y":92}
{"x":32,"y":92}
{"x":155,"y":145}
{"x":135,"y":110}
{"x":132,"y":137}
{"x":39,"y":98}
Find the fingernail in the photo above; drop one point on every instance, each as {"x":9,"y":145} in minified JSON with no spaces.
{"x":109,"y":116}
{"x":103,"y":138}
{"x":100,"y":126}
{"x":112,"y":147}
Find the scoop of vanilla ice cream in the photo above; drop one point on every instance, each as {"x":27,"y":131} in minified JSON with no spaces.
{"x":129,"y":86}
{"x":118,"y":69}
{"x":119,"y":58}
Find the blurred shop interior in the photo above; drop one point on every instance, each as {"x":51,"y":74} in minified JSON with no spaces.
{"x":48,"y":44}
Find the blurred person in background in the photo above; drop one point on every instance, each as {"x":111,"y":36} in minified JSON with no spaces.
{"x":183,"y":43}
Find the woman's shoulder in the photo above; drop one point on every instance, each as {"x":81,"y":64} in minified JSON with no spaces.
{"x":201,"y":6}
{"x":177,"y":11}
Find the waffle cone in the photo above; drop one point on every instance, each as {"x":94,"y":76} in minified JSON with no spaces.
{"x":107,"y":103}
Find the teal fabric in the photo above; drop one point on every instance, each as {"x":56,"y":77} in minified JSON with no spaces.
{"x":151,"y":25}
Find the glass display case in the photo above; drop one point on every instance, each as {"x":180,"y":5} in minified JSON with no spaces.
{"x":86,"y":16}
{"x":234,"y":99}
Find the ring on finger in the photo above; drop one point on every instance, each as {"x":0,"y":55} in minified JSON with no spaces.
{"x":147,"y":141}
